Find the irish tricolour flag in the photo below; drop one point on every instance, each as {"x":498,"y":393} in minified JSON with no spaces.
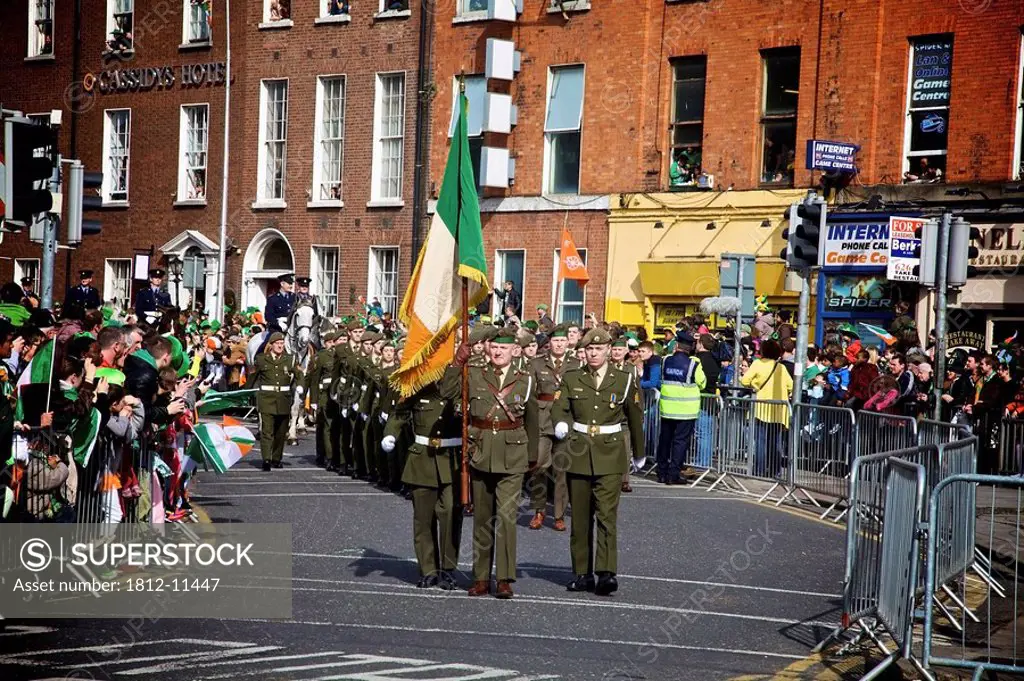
{"x":220,"y":446}
{"x":452,"y":256}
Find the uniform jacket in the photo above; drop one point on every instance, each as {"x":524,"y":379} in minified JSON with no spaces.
{"x":319,"y":375}
{"x":431,"y":414}
{"x":88,"y":297}
{"x":148,"y":300}
{"x":548,"y":378}
{"x":268,"y":373}
{"x":616,"y":401}
{"x":491,"y":450}
{"x":278,"y":305}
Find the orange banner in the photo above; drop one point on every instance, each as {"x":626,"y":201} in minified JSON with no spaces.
{"x":571,"y":265}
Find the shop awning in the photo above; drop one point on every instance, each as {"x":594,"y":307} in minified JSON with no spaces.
{"x":697,"y":279}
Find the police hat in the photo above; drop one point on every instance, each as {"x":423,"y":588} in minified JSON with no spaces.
{"x":303,"y":281}
{"x":274,"y":337}
{"x":42,"y":319}
{"x":286,"y":279}
{"x":595,"y":337}
{"x":26,"y":280}
{"x":85,"y":274}
{"x":156,"y":273}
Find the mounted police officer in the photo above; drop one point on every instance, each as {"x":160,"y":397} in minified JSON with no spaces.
{"x":150,"y":302}
{"x":682,"y":379}
{"x":280,"y":305}
{"x":84,"y":296}
{"x":303,"y":296}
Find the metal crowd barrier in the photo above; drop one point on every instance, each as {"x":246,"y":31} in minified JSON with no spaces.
{"x":993,"y":642}
{"x":824,"y":453}
{"x":1011,"y":446}
{"x":878,"y":432}
{"x":938,"y":432}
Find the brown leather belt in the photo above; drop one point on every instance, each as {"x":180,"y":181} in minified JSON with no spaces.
{"x":484,"y":424}
{"x":543,"y":397}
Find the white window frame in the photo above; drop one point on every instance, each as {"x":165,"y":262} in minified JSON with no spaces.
{"x":185,"y":135}
{"x":501,"y":276}
{"x":326,"y":17}
{"x":316,"y":273}
{"x":20,"y":270}
{"x":372,"y":278}
{"x":464,"y":14}
{"x":112,"y":24}
{"x":110,"y":281}
{"x":108,"y":166}
{"x":560,"y":6}
{"x":377,"y":197}
{"x":547,"y":175}
{"x":317,"y":199}
{"x":36,"y":38}
{"x":560,"y":287}
{"x":384,"y":13}
{"x":1018,"y":142}
{"x":262,"y":199}
{"x":285,"y":22}
{"x":908,"y":126}
{"x":187,"y":39}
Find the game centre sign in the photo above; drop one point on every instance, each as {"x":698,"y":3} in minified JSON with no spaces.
{"x":119,"y":81}
{"x":855,"y":245}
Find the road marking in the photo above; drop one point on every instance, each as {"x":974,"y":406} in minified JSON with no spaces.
{"x":358,"y":659}
{"x":670,"y":580}
{"x":177,"y":660}
{"x":27,"y":631}
{"x":111,"y":648}
{"x":534,"y":637}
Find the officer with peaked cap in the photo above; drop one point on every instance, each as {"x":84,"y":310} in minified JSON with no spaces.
{"x":84,"y":296}
{"x":151,"y":301}
{"x":274,"y":373}
{"x":596,"y":409}
{"x":279,"y":305}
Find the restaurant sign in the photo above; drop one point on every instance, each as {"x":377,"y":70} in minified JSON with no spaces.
{"x":120,"y":81}
{"x":1001,"y":246}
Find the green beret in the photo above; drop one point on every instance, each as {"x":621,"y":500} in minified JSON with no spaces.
{"x":108,"y":312}
{"x":506,"y":335}
{"x":620,"y":342}
{"x":525,"y":339}
{"x":330,"y":336}
{"x":371,"y":336}
{"x":560,"y":331}
{"x":274,"y":337}
{"x":595,"y":337}
{"x":113,"y":323}
{"x":354,"y":324}
{"x":531,"y":325}
{"x":543,"y":306}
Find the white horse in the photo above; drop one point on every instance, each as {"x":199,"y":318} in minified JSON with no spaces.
{"x":302,"y":339}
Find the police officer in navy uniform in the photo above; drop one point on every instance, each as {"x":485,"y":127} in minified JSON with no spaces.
{"x":280,"y":305}
{"x":149,"y":302}
{"x":84,"y":296}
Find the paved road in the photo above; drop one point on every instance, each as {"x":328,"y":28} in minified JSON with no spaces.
{"x":711,"y":587}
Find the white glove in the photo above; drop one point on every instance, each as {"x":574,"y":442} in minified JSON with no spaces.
{"x":366,"y":417}
{"x":355,"y":407}
{"x":561,"y":430}
{"x":300,"y":390}
{"x":344,"y":413}
{"x":388,"y":443}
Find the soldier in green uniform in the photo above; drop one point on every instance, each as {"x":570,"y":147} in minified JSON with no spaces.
{"x":318,"y":385}
{"x":345,"y":367}
{"x":385,"y":407}
{"x":431,"y":471}
{"x":370,"y":404}
{"x":597,"y":408}
{"x":274,"y":373}
{"x":366,"y":460}
{"x":619,"y":359}
{"x":479,"y":340}
{"x":503,"y":436}
{"x":552,"y":458}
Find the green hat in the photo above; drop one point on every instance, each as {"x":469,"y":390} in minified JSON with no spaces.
{"x":620,"y":342}
{"x":811,"y":372}
{"x":560,"y":331}
{"x":274,"y":337}
{"x":113,"y":376}
{"x":114,"y":323}
{"x":505,"y":336}
{"x":371,"y":336}
{"x":178,"y":362}
{"x":595,"y":337}
{"x":543,"y":306}
{"x":108,"y":312}
{"x":849,"y":329}
{"x":354,"y":324}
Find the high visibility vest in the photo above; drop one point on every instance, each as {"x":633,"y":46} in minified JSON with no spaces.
{"x":680,"y":399}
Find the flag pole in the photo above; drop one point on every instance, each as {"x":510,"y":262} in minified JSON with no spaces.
{"x":464,"y":476}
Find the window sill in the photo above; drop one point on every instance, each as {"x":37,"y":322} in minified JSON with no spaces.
{"x":470,"y":17}
{"x":393,"y":14}
{"x":189,"y":202}
{"x":197,"y":45}
{"x":274,"y":25}
{"x":41,"y":57}
{"x":333,"y":19}
{"x":115,"y":204}
{"x":385,"y":203}
{"x":269,"y":204}
{"x":331,"y":203}
{"x":109,"y":54}
{"x":571,"y":6}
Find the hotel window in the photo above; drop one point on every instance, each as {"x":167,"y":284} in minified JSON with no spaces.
{"x":277,"y":10}
{"x":781,"y":87}
{"x":334,"y":8}
{"x":476,"y":92}
{"x":1018,"y":150}
{"x":389,"y":134}
{"x":40,"y":28}
{"x":325,"y":278}
{"x":273,"y":141}
{"x":572,"y":297}
{"x":117,"y":281}
{"x":194,"y":143}
{"x":926,"y":136}
{"x":120,"y":25}
{"x":383,"y":284}
{"x":198,"y":19}
{"x":328,"y":138}
{"x":117,"y":128}
{"x":562,"y":125}
{"x":688,"y":80}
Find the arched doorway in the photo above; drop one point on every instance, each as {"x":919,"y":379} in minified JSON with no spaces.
{"x":268,"y":256}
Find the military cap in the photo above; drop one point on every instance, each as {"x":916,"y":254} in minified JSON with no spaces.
{"x":595,"y":337}
{"x":354,"y":324}
{"x":26,"y":280}
{"x":303,"y":281}
{"x":505,"y":335}
{"x":620,"y":342}
{"x":85,"y":274}
{"x":371,"y":336}
{"x":525,"y":339}
{"x":685,"y":337}
{"x":286,"y":279}
{"x":560,"y":331}
{"x":276,"y":336}
{"x":156,"y":272}
{"x":530,"y":324}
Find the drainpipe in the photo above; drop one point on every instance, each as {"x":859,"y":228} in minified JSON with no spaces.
{"x":420,"y":174}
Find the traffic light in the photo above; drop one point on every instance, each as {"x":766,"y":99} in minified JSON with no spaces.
{"x":961,"y":252}
{"x":31,"y":155}
{"x":83,"y":195}
{"x":928,"y":252}
{"x":806,"y":224}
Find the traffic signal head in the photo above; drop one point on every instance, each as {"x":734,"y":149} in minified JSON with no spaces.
{"x":961,"y":252}
{"x":31,"y":156}
{"x":928,"y":252}
{"x":82,"y":196}
{"x":806,"y":224}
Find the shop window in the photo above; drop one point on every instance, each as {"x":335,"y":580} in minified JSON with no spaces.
{"x":929,"y":89}
{"x":562,"y":128}
{"x":688,"y":81}
{"x":40,"y":28}
{"x":780,"y":93}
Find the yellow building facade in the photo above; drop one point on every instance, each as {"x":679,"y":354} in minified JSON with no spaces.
{"x":664,"y":250}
